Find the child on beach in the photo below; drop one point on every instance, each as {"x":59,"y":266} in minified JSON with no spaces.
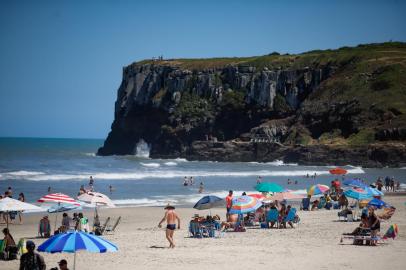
{"x":171,"y":217}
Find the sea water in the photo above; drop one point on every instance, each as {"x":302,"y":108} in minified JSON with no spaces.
{"x":31,"y":165}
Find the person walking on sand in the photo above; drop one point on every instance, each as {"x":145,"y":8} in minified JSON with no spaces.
{"x":171,"y":217}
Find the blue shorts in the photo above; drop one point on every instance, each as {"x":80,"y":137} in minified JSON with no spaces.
{"x":171,"y":227}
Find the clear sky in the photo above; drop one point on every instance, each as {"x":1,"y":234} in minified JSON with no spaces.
{"x":61,"y":61}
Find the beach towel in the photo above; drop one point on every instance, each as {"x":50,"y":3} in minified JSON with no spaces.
{"x":392,"y":232}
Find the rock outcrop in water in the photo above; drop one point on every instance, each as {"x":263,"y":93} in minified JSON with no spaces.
{"x":313,"y":108}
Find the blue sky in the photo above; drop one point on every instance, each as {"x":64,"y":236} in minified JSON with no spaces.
{"x":61,"y":61}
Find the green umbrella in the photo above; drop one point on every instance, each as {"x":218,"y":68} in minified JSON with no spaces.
{"x":268,"y":187}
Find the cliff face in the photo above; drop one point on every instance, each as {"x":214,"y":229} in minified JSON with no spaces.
{"x":255,"y":110}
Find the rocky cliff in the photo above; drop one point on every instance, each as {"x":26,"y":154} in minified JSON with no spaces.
{"x":344,"y":107}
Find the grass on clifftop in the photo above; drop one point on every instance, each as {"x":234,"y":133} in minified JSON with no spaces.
{"x":395,"y":50}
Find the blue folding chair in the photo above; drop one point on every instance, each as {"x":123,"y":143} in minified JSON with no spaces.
{"x":273,"y":216}
{"x":291,"y":216}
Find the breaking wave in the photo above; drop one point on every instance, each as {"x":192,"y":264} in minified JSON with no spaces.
{"x":159,"y":173}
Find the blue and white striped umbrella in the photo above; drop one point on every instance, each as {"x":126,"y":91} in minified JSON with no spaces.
{"x":74,"y":241}
{"x":374,"y":191}
{"x":358,"y":194}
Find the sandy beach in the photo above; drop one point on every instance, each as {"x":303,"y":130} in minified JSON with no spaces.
{"x":314,"y":244}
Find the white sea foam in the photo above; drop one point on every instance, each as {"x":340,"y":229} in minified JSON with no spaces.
{"x":150,"y":165}
{"x":136,"y":175}
{"x":24,"y":173}
{"x":170,"y":163}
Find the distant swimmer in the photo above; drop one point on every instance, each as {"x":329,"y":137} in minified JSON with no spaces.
{"x":259,"y":180}
{"x":191,"y":181}
{"x":49,"y":190}
{"x":201,"y":187}
{"x":111,"y":189}
{"x":185,"y":181}
{"x":295,"y":182}
{"x":91,"y":183}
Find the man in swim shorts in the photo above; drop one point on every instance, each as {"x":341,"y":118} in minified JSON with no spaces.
{"x":171,"y":217}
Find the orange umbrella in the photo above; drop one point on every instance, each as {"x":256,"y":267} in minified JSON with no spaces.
{"x":338,"y":171}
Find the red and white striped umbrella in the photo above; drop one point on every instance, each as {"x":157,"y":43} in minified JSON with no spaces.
{"x":58,"y":198}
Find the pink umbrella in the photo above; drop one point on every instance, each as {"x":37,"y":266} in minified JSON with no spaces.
{"x":258,"y":196}
{"x":280,"y":196}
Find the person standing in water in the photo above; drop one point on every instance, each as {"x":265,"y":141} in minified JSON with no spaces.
{"x":171,"y":217}
{"x":201,"y":188}
{"x":91,"y":183}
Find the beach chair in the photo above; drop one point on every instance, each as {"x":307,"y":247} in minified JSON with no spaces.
{"x":322,"y":203}
{"x":291,"y":216}
{"x":272,"y":216}
{"x":22,"y":249}
{"x":113,"y":229}
{"x":44,"y":228}
{"x":195,"y":230}
{"x":99,"y":230}
{"x":305,"y":204}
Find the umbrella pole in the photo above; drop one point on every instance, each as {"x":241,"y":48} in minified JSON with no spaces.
{"x":74,"y":260}
{"x":56,"y":217}
{"x":7,"y":215}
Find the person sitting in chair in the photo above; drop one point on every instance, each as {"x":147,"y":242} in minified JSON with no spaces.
{"x":362,"y":228}
{"x":9,"y":245}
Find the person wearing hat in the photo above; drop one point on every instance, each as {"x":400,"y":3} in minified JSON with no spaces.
{"x":31,"y":260}
{"x":63,"y":264}
{"x":171,"y":217}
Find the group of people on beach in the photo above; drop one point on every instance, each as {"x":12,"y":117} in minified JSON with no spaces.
{"x":30,"y":260}
{"x":11,"y":216}
{"x":391,"y":185}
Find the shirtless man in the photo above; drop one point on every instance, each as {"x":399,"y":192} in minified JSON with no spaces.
{"x":170,"y":217}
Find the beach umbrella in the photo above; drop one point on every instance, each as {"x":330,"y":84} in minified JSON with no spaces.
{"x":96,"y":198}
{"x":317,"y":189}
{"x":268,"y":187}
{"x":280,"y":196}
{"x":11,"y":205}
{"x":58,"y":198}
{"x":208,"y":202}
{"x":358,"y":193}
{"x":338,"y":171}
{"x":73,"y":241}
{"x":377,"y":203}
{"x":374,"y":191}
{"x":258,"y":196}
{"x":63,"y":208}
{"x":355,"y":183}
{"x":244,"y":204}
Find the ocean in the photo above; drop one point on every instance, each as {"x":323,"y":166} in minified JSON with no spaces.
{"x":31,"y":165}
